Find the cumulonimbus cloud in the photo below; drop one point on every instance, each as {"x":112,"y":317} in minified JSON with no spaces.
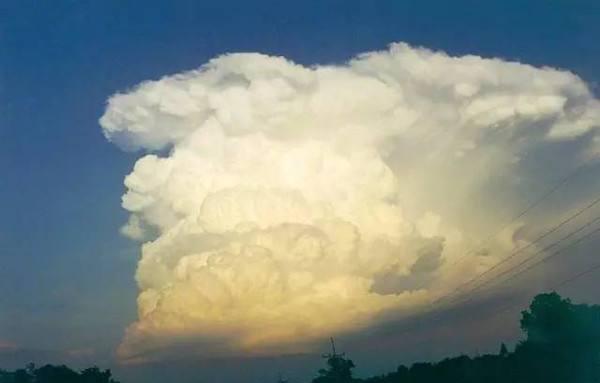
{"x":297,"y":202}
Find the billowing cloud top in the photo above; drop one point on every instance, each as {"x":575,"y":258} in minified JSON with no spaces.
{"x":294,"y":203}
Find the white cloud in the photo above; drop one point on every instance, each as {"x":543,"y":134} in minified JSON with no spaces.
{"x":288,"y":192}
{"x":133,"y":228}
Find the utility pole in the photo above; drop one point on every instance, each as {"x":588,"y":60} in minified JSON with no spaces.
{"x":339,"y":369}
{"x":334,"y":353}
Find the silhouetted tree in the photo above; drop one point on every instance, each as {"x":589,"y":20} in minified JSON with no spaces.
{"x":562,"y":345}
{"x":22,"y":376}
{"x":503,"y":350}
{"x":56,"y":374}
{"x":95,"y":375}
{"x":563,"y":340}
{"x":339,"y":368}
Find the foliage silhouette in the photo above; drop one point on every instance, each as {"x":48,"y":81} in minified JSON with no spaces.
{"x":561,"y":345}
{"x":56,"y":374}
{"x":339,"y":369}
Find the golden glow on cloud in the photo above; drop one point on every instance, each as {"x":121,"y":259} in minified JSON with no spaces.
{"x":294,"y":203}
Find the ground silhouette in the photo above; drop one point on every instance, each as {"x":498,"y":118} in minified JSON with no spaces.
{"x":56,"y":374}
{"x":561,"y":345}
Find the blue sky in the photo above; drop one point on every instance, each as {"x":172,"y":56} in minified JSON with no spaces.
{"x":66,"y":275}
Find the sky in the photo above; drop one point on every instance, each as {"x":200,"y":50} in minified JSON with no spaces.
{"x":68,"y":140}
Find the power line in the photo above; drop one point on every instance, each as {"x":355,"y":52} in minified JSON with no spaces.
{"x":543,"y":260}
{"x":522,"y":213}
{"x":520,"y":250}
{"x":577,"y":276}
{"x":562,"y":283}
{"x":553,"y":255}
{"x":563,"y":181}
{"x":543,"y":250}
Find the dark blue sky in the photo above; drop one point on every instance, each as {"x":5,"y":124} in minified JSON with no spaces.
{"x":66,"y":275}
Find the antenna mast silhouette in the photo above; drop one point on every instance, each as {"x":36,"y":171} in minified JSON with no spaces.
{"x":334,"y":353}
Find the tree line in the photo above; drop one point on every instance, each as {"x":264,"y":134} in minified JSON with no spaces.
{"x":561,"y":345}
{"x":56,"y":374}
